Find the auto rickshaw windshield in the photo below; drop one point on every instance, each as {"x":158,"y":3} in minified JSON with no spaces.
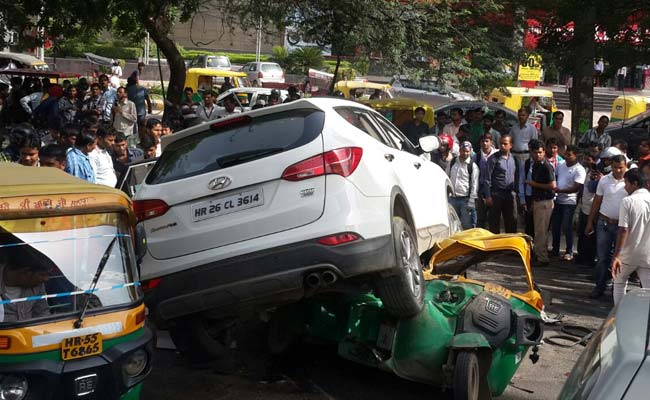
{"x":47,"y":265}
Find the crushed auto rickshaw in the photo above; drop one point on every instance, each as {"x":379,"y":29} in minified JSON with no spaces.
{"x":72,"y":317}
{"x":471,"y":336}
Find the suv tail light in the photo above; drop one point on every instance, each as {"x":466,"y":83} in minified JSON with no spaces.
{"x":260,"y":75}
{"x":151,"y":284}
{"x":337,"y":239}
{"x":341,"y":161}
{"x":147,"y":209}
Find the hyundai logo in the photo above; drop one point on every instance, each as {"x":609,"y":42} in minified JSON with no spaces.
{"x":219,"y":183}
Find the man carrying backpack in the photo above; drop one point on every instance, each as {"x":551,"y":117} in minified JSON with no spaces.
{"x":464,"y":175}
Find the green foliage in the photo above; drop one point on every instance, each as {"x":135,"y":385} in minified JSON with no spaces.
{"x":281,"y":56}
{"x":301,"y":59}
{"x":110,"y":50}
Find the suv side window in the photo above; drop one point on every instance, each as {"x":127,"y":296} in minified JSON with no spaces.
{"x":400,"y":141}
{"x":362,"y":120}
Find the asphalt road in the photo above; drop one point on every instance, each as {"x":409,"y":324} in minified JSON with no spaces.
{"x":315,"y":372}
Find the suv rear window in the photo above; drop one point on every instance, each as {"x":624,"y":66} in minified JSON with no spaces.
{"x":218,"y":62}
{"x":212,"y":150}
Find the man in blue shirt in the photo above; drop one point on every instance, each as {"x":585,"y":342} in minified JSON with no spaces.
{"x":109,"y":96}
{"x":78,"y":162}
{"x":140,"y":96}
{"x":500,"y":187}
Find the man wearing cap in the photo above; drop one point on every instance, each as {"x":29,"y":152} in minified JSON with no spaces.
{"x":604,"y":217}
{"x":464,"y":175}
{"x":443,"y":156}
{"x":521,"y":134}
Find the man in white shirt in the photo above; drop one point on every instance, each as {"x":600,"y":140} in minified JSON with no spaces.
{"x":522,"y":134}
{"x":632,"y":252}
{"x":605,"y":208}
{"x":464,"y":174}
{"x":570,"y":178}
{"x":229,"y":108}
{"x":101,"y":160}
{"x":208,"y":111}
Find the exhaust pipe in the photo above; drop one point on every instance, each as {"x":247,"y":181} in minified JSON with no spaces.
{"x":313,"y":280}
{"x":328,"y":277}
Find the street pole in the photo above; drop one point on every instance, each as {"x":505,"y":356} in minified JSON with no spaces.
{"x":147,"y":48}
{"x":258,"y":47}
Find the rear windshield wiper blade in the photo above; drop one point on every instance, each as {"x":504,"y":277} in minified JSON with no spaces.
{"x":245,"y":156}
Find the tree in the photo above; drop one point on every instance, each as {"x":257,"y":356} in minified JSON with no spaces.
{"x":307,"y":57}
{"x":73,"y":18}
{"x":576,"y":32}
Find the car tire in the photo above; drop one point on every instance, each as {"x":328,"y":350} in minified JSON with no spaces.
{"x":455,"y":225}
{"x":202,"y":339}
{"x":466,"y":382}
{"x":403,"y":292}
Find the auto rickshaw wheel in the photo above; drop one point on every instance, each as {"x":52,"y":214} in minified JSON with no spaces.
{"x":466,"y":383}
{"x":403,"y":292}
{"x":203,"y":339}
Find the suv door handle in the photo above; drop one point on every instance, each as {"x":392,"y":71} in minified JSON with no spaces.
{"x":389,"y":156}
{"x":417,"y":165}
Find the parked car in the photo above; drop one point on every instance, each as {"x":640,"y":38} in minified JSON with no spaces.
{"x":632,"y":130}
{"x":248,"y":96}
{"x":262,"y":72}
{"x":615,"y":363}
{"x":263,"y":208}
{"x":214,"y":62}
{"x":427,"y":91}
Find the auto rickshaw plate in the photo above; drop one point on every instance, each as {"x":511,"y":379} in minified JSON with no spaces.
{"x":81,"y":346}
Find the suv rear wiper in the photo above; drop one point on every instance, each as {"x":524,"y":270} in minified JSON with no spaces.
{"x":93,"y":284}
{"x":244,"y":156}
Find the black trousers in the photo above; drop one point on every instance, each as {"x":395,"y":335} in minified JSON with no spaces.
{"x":586,"y":243}
{"x":504,"y":204}
{"x":528,"y":217}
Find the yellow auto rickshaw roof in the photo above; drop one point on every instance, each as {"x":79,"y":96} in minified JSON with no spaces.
{"x":215,"y":72}
{"x":633,"y":98}
{"x":471,"y":240}
{"x":24,"y":189}
{"x":527,"y":92}
{"x":398,"y":103}
{"x":360,"y":84}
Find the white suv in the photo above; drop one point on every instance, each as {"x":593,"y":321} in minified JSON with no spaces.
{"x":272,"y":205}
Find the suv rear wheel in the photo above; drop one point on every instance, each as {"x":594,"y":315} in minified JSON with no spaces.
{"x":403,"y":292}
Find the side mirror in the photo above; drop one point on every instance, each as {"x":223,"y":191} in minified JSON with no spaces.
{"x":429,"y":143}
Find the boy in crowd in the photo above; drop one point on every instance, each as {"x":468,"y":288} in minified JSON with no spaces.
{"x":53,"y":155}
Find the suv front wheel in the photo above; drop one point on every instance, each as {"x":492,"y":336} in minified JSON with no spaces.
{"x":403,"y":292}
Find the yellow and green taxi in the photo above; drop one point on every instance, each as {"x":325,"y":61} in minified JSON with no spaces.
{"x":626,"y":107}
{"x":364,"y":90}
{"x":72,"y":317}
{"x":400,"y":110}
{"x":202,"y":79}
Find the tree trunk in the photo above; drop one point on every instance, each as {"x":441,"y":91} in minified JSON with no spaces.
{"x":582,"y":96}
{"x":336,"y":72}
{"x":176,"y":69}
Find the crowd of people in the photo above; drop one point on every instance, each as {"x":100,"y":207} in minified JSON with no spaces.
{"x":549,"y":187}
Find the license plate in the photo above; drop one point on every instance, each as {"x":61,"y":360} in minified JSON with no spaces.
{"x":227,"y":205}
{"x":84,"y":385}
{"x":81,"y":346}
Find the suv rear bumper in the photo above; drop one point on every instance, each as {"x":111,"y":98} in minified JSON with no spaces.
{"x":264,"y":279}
